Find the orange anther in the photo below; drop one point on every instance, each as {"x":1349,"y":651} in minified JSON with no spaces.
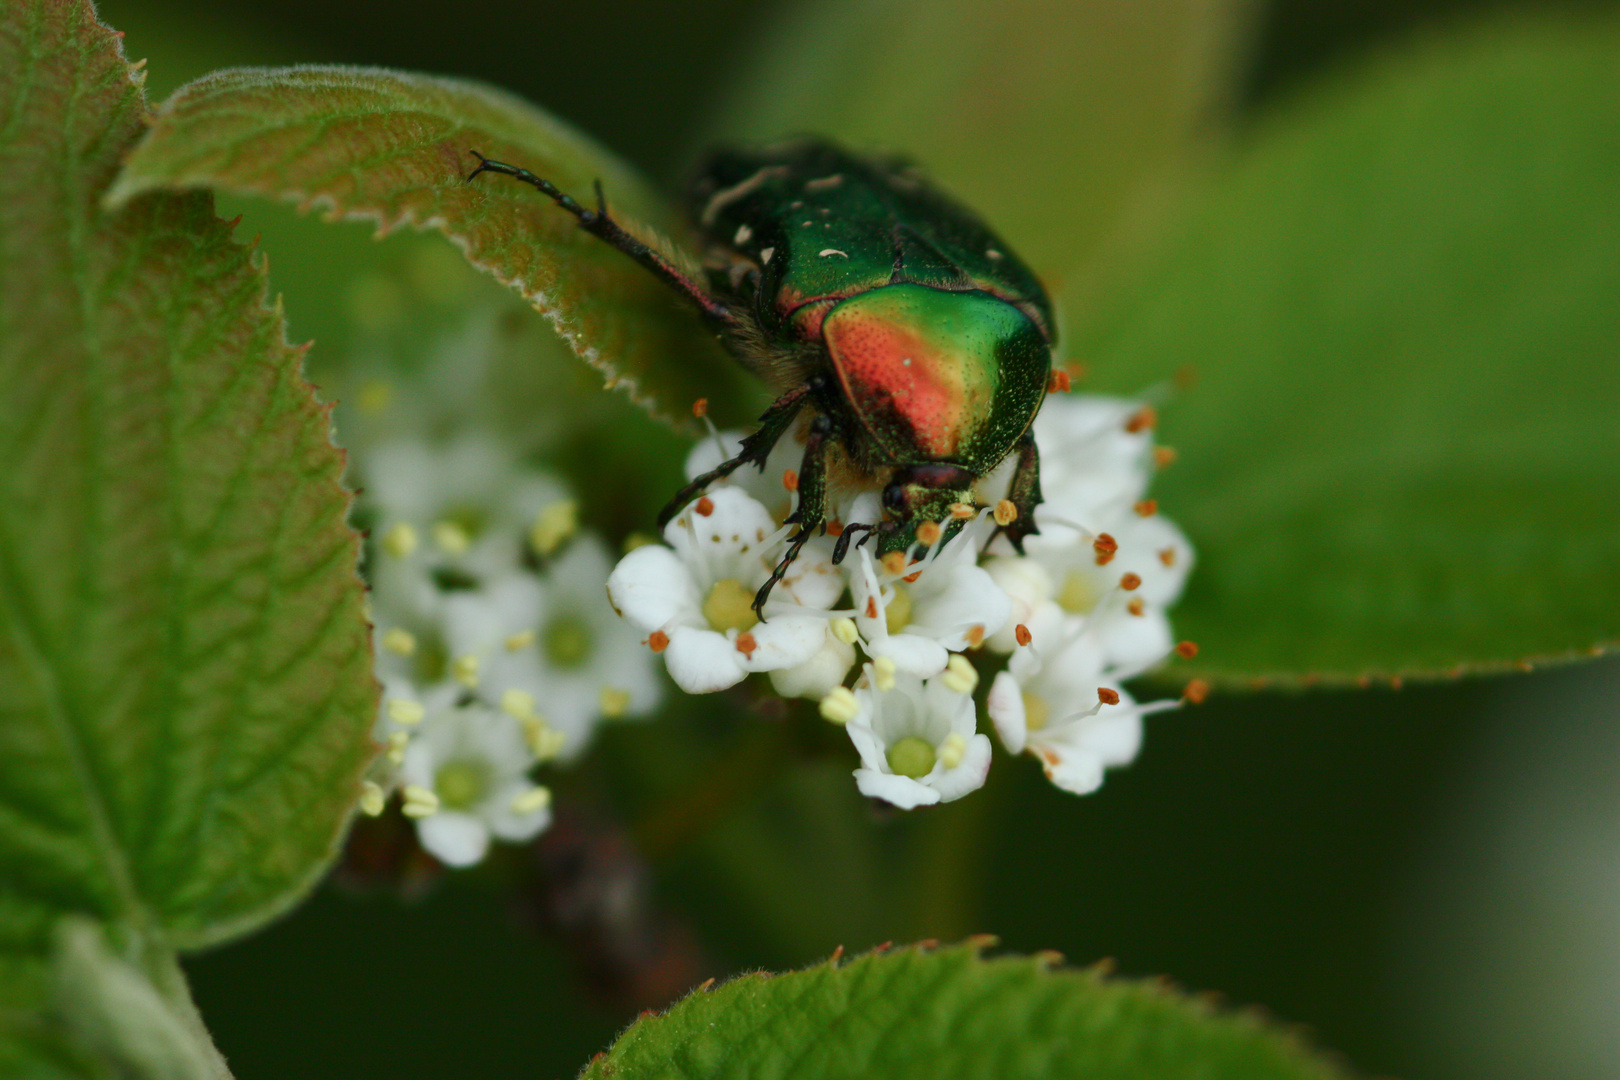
{"x":790,"y":480}
{"x":1187,"y":650}
{"x":1022,"y":635}
{"x":835,"y":528}
{"x":1130,"y":581}
{"x":961,"y":511}
{"x":1006,"y":512}
{"x":1142,"y":419}
{"x":705,"y":506}
{"x":894,"y":561}
{"x":1197,"y":690}
{"x":1058,"y":382}
{"x":746,"y":644}
{"x":1135,"y":607}
{"x":1107,"y":696}
{"x":658,"y":641}
{"x":1167,"y":556}
{"x":928,"y":533}
{"x":700,"y":407}
{"x":1147,"y":507}
{"x":1163,"y":455}
{"x":975,"y":636}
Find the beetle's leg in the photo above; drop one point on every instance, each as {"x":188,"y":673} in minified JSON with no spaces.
{"x":1025,"y":493}
{"x":756,"y":447}
{"x":602,"y":226}
{"x":841,"y":548}
{"x":812,"y":511}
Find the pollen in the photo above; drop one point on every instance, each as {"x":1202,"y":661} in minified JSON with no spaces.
{"x":952,"y":750}
{"x":1022,"y":635}
{"x":700,"y":407}
{"x":532,"y":801}
{"x":517,"y":704}
{"x":465,"y":670}
{"x":1197,"y":690}
{"x":894,"y":562}
{"x":451,"y":538}
{"x":520,"y":640}
{"x":883,"y":672}
{"x":790,"y":480}
{"x":1107,"y":696}
{"x":372,"y":798}
{"x":844,"y":630}
{"x":1130,"y":582}
{"x":746,"y":644}
{"x":840,"y":706}
{"x":400,"y":540}
{"x":400,"y":642}
{"x":1187,"y":650}
{"x":1141,"y":420}
{"x":657,"y":641}
{"x":1147,"y":507}
{"x":1058,"y":382}
{"x":405,"y":711}
{"x":553,"y":525}
{"x":928,"y":533}
{"x":705,"y":506}
{"x":962,"y":511}
{"x":960,"y":675}
{"x":1006,"y":513}
{"x":419,"y":802}
{"x":1163,"y":455}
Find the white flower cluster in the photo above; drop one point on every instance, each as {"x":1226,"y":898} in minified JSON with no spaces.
{"x":493,"y":642}
{"x":1082,"y":610}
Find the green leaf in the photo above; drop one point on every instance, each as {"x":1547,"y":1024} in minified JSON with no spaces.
{"x":185,"y":687}
{"x":1075,"y":128}
{"x":1401,"y":454}
{"x":928,"y":1013}
{"x":394,"y":149}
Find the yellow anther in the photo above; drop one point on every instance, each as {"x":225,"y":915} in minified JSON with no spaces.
{"x":840,"y":706}
{"x":372,"y":798}
{"x":397,"y":741}
{"x":520,"y":640}
{"x":405,"y":711}
{"x":845,"y":630}
{"x":400,"y":642}
{"x":400,"y":540}
{"x":951,"y":750}
{"x":554,"y":524}
{"x":883,"y":670}
{"x":615,"y":702}
{"x":960,"y":675}
{"x":1006,"y":512}
{"x":451,"y":538}
{"x":518,"y":704}
{"x":531,"y":801}
{"x":544,"y":741}
{"x":465,"y":670}
{"x":419,"y":802}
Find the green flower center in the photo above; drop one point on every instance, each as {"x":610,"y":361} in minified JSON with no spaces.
{"x":567,"y":641}
{"x":460,"y":785}
{"x":898,"y":613}
{"x":729,"y":606}
{"x":1036,"y":715}
{"x":912,"y":756}
{"x":1077,"y":596}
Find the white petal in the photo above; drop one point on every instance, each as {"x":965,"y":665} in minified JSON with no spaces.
{"x":784,"y":641}
{"x":817,"y":676}
{"x":972,"y":599}
{"x":454,"y":838}
{"x":813,"y":581}
{"x":510,"y":826}
{"x":969,"y":774}
{"x":1133,"y":642}
{"x":1027,"y":585}
{"x":651,"y":588}
{"x":1074,"y":771}
{"x":914,"y":655}
{"x":725,"y":542}
{"x":703,"y":661}
{"x":902,"y":791}
{"x":874,"y":754}
{"x":1005,"y":705}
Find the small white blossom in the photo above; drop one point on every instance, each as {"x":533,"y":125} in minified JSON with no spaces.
{"x":817,"y":676}
{"x":1061,"y":702}
{"x":693,"y":599}
{"x":553,"y":637}
{"x":465,"y":773}
{"x":918,"y":742}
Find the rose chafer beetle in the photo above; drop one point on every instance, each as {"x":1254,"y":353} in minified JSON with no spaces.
{"x":911,"y":345}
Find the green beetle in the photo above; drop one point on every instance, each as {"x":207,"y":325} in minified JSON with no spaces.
{"x":913,"y":346}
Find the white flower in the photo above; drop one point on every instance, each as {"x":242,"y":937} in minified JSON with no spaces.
{"x":1093,"y":464}
{"x":465,"y":779}
{"x":918,"y":742}
{"x":554,"y":638}
{"x":693,"y":599}
{"x":952,"y":605}
{"x":1058,"y":700}
{"x":816,"y":677}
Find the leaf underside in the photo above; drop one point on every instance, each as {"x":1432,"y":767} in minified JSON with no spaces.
{"x":927,"y":1013}
{"x":395,"y":149}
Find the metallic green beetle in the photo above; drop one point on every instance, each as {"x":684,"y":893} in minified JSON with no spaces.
{"x":910,"y":343}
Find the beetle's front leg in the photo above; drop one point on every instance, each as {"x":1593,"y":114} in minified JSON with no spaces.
{"x":811,"y":514}
{"x":773,"y":424}
{"x":1025,"y":494}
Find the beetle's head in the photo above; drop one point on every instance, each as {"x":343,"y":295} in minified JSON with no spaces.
{"x":924,"y":492}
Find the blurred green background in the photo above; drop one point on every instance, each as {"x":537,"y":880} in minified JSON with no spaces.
{"x":1425,"y":880}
